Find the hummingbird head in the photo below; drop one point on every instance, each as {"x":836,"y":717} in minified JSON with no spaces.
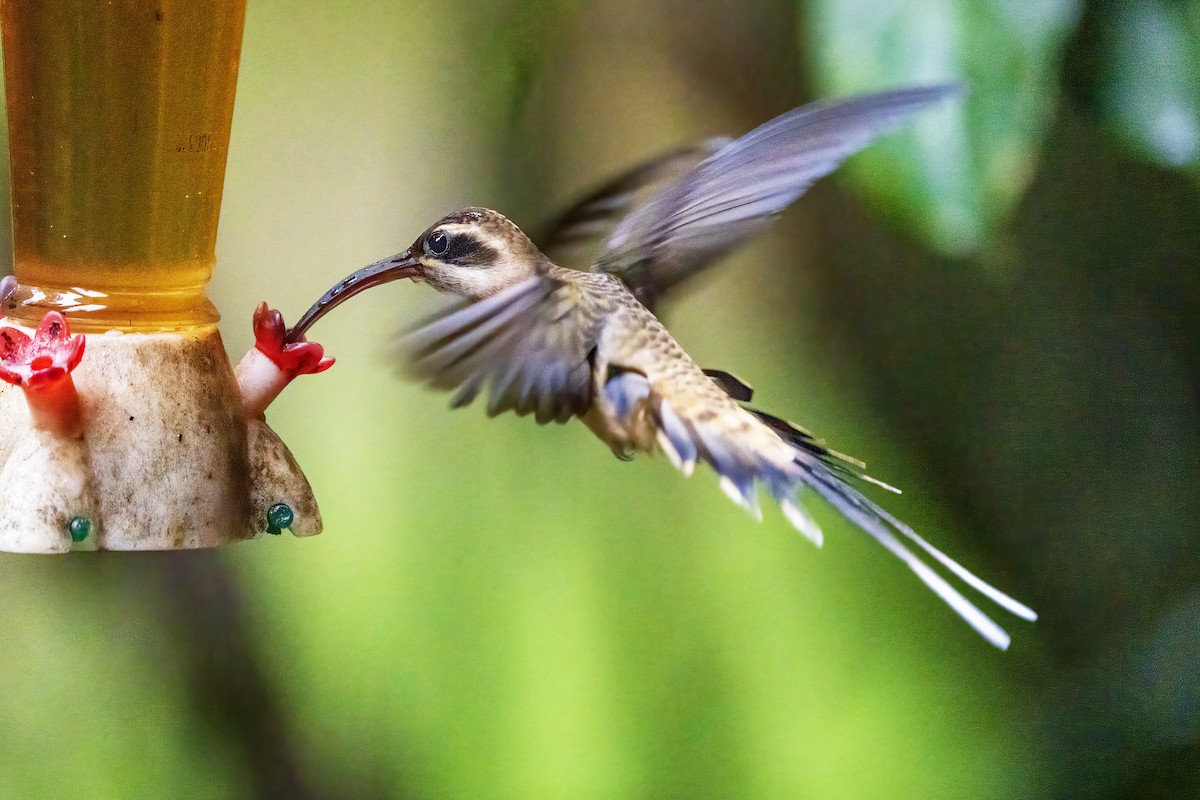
{"x":472,"y":253}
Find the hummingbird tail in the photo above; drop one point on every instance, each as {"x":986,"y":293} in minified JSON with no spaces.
{"x":746,"y":455}
{"x":890,"y":532}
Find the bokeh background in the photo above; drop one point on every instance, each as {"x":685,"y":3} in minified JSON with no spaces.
{"x":997,"y":312}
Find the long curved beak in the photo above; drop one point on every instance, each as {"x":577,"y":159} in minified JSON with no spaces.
{"x":401,"y":265}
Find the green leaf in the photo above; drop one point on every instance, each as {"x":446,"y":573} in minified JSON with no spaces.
{"x":957,"y":174}
{"x":1150,"y":92}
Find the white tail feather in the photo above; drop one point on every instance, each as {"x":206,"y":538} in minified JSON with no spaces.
{"x":801,"y":521}
{"x":664,"y":444}
{"x":1014,"y":607}
{"x":880,"y":484}
{"x":874,"y":526}
{"x":748,"y":502}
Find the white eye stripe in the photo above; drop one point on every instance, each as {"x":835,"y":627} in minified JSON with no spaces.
{"x":464,"y":245}
{"x":455,"y":228}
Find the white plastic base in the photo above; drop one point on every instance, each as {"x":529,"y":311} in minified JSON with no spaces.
{"x":168,"y":459}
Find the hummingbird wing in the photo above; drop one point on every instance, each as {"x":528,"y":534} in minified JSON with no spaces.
{"x":741,"y":186}
{"x":594,"y":216}
{"x":529,"y":345}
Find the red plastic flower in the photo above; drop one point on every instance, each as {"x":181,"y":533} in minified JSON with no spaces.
{"x":42,"y":366}
{"x":50,"y":355}
{"x":273,"y":362}
{"x":296,"y":358}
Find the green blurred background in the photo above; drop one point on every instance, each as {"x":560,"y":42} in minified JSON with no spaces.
{"x":998,"y":313}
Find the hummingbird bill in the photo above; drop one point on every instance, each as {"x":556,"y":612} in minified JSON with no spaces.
{"x":558,"y":343}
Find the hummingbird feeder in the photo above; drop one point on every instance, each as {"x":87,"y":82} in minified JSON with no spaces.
{"x":125,"y":426}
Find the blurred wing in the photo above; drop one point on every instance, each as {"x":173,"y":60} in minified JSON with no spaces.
{"x":740,"y":187}
{"x":593,"y":218}
{"x":529,"y":345}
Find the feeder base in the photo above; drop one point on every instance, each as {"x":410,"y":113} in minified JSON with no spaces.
{"x":168,"y":459}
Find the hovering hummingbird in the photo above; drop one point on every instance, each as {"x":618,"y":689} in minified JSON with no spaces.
{"x":560,"y":343}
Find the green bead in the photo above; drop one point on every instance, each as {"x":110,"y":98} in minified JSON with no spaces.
{"x":79,"y":527}
{"x":279,"y":516}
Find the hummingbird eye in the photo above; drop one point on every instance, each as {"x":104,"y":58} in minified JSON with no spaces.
{"x":438,"y":244}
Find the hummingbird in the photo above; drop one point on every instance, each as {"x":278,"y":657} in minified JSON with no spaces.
{"x":559,"y":343}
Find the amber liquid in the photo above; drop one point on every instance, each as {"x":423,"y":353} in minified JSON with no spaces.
{"x":119,"y":115}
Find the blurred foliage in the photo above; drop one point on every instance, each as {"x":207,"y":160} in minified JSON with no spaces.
{"x":514,"y":47}
{"x":957,"y":176}
{"x":1151,"y":88}
{"x":502,"y":610}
